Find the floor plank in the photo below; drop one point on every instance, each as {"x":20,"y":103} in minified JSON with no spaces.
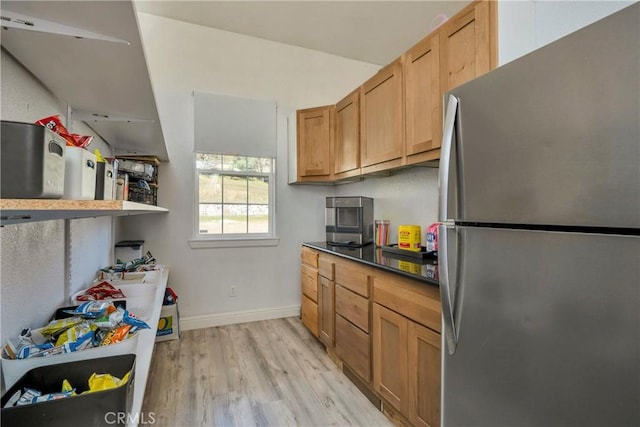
{"x":267,"y":373}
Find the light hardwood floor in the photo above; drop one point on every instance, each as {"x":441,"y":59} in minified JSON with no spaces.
{"x":268,"y":373}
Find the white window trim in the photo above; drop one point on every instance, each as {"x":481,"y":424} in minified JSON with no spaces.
{"x":233,"y":243}
{"x":234,"y":240}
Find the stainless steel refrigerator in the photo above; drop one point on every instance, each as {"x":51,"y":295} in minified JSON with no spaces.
{"x":540,"y":248}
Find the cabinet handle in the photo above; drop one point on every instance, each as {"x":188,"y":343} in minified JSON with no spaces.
{"x":445,"y":290}
{"x":445,"y":158}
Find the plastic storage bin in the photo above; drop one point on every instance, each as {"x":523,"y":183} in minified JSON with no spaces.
{"x":129,"y":250}
{"x":139,"y":296}
{"x":104,"y":181}
{"x":13,"y":369}
{"x":99,"y":408}
{"x":80,"y":174}
{"x":32,"y":161}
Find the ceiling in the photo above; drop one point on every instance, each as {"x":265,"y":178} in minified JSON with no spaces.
{"x":89,"y":75}
{"x":376,"y":32}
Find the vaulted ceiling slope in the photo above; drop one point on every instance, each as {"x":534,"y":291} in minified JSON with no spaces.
{"x":370,"y":31}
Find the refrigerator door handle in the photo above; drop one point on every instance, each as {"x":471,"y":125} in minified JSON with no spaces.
{"x":445,"y":157}
{"x":445,"y":291}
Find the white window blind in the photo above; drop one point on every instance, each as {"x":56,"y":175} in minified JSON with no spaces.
{"x":232,"y":125}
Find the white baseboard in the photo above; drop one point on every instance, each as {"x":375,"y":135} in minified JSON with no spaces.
{"x":210,"y":320}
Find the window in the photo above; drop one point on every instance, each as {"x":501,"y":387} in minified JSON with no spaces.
{"x":235,"y":196}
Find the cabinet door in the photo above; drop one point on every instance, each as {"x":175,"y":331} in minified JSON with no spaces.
{"x":315,"y":142}
{"x":309,"y":314}
{"x":326,"y":309}
{"x":347,"y":148}
{"x":309,"y":257}
{"x":423,"y":111}
{"x":309,"y":279}
{"x":353,"y":346}
{"x":352,"y":307}
{"x":354,"y":277}
{"x":382,"y":119}
{"x":467,"y":47}
{"x":390,"y":375}
{"x":424,"y":378}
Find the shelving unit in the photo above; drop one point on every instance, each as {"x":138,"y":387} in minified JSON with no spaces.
{"x":136,"y":193}
{"x":18,"y":211}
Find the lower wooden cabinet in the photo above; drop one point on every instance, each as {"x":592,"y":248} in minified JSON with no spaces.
{"x":390,"y":374}
{"x":424,"y":362}
{"x":352,"y":307}
{"x":353,"y":347}
{"x":309,"y":286}
{"x":383,"y":326}
{"x":309,"y":312}
{"x":326,"y":307}
{"x":406,"y":366}
{"x":406,"y":346}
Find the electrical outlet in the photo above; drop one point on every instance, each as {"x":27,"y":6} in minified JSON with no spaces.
{"x":232,"y":291}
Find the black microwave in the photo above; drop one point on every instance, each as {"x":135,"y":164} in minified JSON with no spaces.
{"x":349,"y":221}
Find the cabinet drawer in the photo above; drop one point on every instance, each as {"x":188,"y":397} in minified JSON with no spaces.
{"x":353,"y":347}
{"x":309,"y":257}
{"x":326,"y":266}
{"x":353,"y":276}
{"x":352,"y":307}
{"x":310,"y":282}
{"x":418,"y":301}
{"x":309,"y":313}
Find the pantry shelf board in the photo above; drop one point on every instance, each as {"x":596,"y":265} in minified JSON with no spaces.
{"x":18,"y":211}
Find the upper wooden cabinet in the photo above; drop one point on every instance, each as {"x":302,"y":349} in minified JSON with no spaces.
{"x":423,"y":100}
{"x":347,"y":145}
{"x":395,"y":118}
{"x":315,"y":143}
{"x":468,"y":45}
{"x":381,"y":118}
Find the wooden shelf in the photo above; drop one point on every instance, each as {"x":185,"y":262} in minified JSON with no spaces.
{"x":17,"y":211}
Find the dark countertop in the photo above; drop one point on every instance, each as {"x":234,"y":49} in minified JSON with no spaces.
{"x":424,"y":270}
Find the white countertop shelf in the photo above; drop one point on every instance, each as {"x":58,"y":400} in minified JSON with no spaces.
{"x":144,"y":353}
{"x":17,"y":211}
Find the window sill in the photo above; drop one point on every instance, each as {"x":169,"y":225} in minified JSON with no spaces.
{"x":233,"y":243}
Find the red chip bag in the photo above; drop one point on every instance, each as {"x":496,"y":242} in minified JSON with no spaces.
{"x":55,"y":124}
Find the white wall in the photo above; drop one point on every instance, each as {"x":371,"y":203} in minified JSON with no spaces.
{"x":32,"y":256}
{"x":182,"y":58}
{"x":527,"y":25}
{"x":409,"y":196}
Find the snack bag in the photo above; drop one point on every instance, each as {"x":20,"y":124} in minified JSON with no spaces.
{"x":58,"y":326}
{"x":116,"y":335}
{"x":77,"y":334}
{"x":432,"y":237}
{"x":101,"y":291}
{"x":55,"y":124}
{"x":93,"y":309}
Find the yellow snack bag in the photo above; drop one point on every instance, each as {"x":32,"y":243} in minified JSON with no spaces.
{"x":66,"y":387}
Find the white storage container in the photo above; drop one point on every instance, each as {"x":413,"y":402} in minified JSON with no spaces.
{"x":80,"y":174}
{"x":152,"y":275}
{"x":14,"y":369}
{"x":128,"y":250}
{"x":139,"y":296}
